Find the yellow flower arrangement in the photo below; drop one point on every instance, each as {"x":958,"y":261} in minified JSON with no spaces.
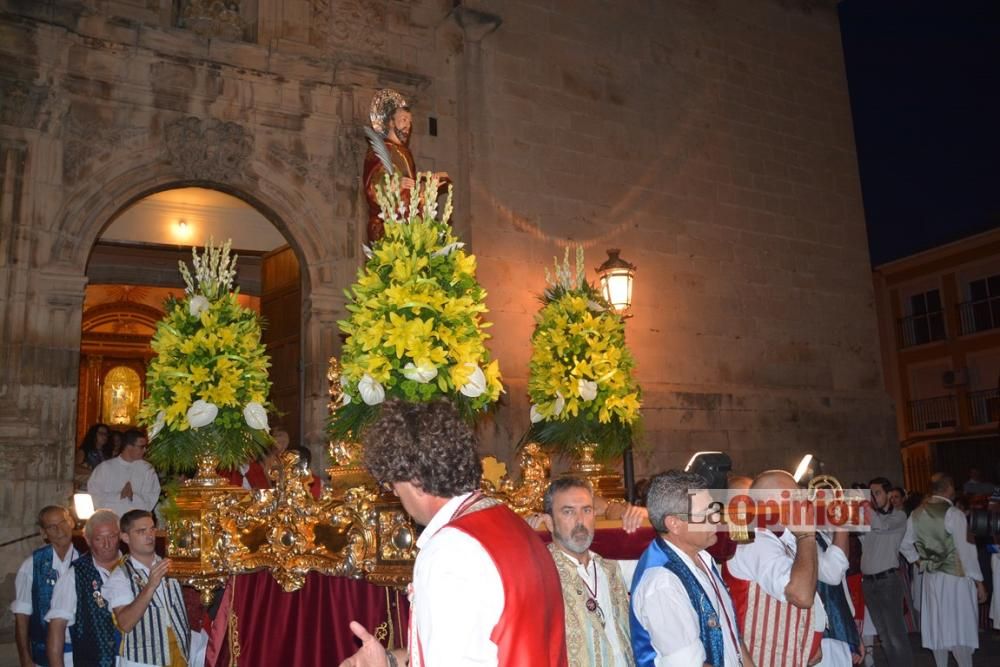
{"x":416,"y":329}
{"x":580,"y":377}
{"x":206,"y":390}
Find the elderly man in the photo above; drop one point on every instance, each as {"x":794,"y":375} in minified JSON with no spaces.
{"x":595,"y":597}
{"x":774,"y":581}
{"x":77,"y":602}
{"x":953,"y":582}
{"x":126,"y":482}
{"x":681,"y":611}
{"x":485,"y":591}
{"x":36,"y":581}
{"x":148,"y":606}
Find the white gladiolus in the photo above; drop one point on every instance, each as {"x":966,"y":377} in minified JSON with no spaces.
{"x":423,"y":373}
{"x":535,"y":415}
{"x":372,"y":393}
{"x":201,"y":413}
{"x":161,"y":420}
{"x":256,"y":416}
{"x":197,"y":305}
{"x":476,"y":385}
{"x":587,"y":389}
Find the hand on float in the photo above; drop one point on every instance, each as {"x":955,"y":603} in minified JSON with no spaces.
{"x":538,"y":520}
{"x":633,"y":518}
{"x":371,"y":653}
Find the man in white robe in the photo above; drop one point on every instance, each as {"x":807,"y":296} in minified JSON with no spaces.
{"x":126,"y":482}
{"x":937,"y":539}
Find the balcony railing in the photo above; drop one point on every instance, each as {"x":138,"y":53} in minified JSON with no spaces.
{"x":980,"y":315}
{"x":920,"y":329}
{"x":933,"y":413}
{"x":984,"y":406}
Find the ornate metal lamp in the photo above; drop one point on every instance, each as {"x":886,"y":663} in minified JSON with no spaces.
{"x":617,"y":276}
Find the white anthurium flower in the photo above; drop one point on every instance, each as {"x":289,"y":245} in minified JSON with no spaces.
{"x":256,"y":416}
{"x":587,"y":389}
{"x":559,"y":405}
{"x":198,"y":305}
{"x":448,"y":249}
{"x":202,"y":413}
{"x":423,"y":373}
{"x":345,"y":399}
{"x":476,"y":386}
{"x":367,"y":251}
{"x":535,"y":415}
{"x":161,"y":420}
{"x":372,"y":393}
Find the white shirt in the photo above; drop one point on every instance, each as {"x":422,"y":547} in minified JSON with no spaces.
{"x":26,"y":578}
{"x":956,"y":526}
{"x":64,"y":596}
{"x":662,"y":605}
{"x":457,"y":596}
{"x":109,"y":477}
{"x":118,"y":592}
{"x":589,"y":575}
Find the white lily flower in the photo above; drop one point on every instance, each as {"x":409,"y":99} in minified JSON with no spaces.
{"x":372,"y":393}
{"x":201,"y":413}
{"x":197,"y":305}
{"x":423,"y":373}
{"x":476,"y":386}
{"x":161,"y":420}
{"x":587,"y":389}
{"x":256,"y":416}
{"x":535,"y":415}
{"x":560,"y":404}
{"x":448,"y":249}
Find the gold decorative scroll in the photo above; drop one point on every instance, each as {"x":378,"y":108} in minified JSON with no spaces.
{"x":526,"y":497}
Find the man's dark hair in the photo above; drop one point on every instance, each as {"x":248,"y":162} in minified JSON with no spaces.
{"x":426,"y":444}
{"x":940,"y":483}
{"x":563,"y":484}
{"x":901,"y":490}
{"x":53,"y":508}
{"x":670,"y":494}
{"x":132,"y":516}
{"x":131,"y":437}
{"x":883,"y":482}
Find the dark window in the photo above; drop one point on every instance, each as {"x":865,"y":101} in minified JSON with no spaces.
{"x":982,"y":311}
{"x":926,"y":320}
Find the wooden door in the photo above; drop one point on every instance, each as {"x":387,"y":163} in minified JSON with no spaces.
{"x":281,"y":307}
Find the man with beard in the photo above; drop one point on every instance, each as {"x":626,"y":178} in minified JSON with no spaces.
{"x":595,"y":597}
{"x":391,"y":119}
{"x":681,"y":611}
{"x":78,"y":604}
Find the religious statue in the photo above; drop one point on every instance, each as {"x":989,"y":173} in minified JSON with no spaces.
{"x":389,"y":152}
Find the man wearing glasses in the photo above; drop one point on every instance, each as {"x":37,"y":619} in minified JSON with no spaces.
{"x":681,"y":612}
{"x":126,"y":482}
{"x":35,"y":582}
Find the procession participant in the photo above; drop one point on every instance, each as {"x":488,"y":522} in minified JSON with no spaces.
{"x":595,"y":597}
{"x":841,"y":644}
{"x":126,"y":482}
{"x":953,"y":587}
{"x":247,"y":475}
{"x":775,"y":577}
{"x":882,"y":585}
{"x":485,"y":590}
{"x":148,"y":605}
{"x":681,"y":611}
{"x":35,"y":581}
{"x":77,"y":602}
{"x":391,"y":119}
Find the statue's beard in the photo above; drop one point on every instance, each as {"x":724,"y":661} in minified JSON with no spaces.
{"x":402,"y":135}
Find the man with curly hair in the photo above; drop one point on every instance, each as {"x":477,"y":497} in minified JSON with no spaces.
{"x":485,"y":590}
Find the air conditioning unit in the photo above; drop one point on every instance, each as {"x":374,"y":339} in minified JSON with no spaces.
{"x":956,"y":378}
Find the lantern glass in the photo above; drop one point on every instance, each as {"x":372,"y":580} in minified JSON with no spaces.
{"x":83,"y":505}
{"x":618,"y":288}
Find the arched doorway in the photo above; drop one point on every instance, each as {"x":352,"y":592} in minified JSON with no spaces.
{"x":132,"y":269}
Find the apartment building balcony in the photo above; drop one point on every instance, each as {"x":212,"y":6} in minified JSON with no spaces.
{"x":941,"y":413}
{"x":979,"y":315}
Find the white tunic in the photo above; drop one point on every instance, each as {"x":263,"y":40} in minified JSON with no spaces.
{"x":109,"y":478}
{"x":949,"y":611}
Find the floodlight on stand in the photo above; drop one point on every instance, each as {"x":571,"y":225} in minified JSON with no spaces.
{"x":83,"y":506}
{"x":617,"y":276}
{"x":713,"y":466}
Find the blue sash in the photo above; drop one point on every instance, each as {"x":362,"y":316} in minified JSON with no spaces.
{"x":840,"y":623}
{"x":658,"y":554}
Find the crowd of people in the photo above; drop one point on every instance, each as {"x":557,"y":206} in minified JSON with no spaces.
{"x":487,"y":591}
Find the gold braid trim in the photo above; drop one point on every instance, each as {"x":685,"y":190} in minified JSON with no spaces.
{"x":233,"y":628}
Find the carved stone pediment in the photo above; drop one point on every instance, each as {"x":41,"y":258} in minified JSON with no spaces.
{"x":212,"y":18}
{"x":208,"y":149}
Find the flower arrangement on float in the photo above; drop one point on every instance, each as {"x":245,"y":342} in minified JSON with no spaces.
{"x":206,"y":390}
{"x":580,"y":377}
{"x":416,"y":330}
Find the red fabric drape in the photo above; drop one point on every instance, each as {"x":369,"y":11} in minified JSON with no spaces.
{"x":615,"y":543}
{"x":307,"y":628}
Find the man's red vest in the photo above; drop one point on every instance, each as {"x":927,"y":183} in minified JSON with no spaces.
{"x":532,"y":628}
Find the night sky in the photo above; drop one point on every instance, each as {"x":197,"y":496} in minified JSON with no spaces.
{"x":924,"y":79}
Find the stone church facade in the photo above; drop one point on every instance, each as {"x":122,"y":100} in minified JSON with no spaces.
{"x":710,"y":140}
